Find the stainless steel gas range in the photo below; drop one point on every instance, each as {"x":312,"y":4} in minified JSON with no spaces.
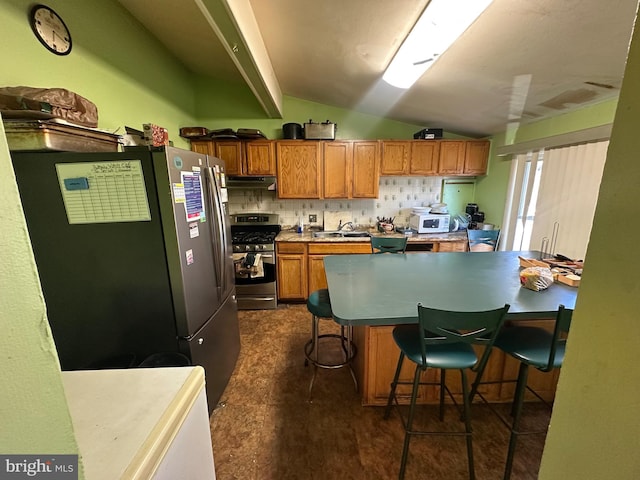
{"x":254,"y":257}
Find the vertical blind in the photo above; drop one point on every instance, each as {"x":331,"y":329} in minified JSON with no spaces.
{"x":569,"y":186}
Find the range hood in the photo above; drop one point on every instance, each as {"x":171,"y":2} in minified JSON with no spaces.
{"x":262,"y":183}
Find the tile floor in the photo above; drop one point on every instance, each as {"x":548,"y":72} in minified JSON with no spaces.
{"x":265,"y":427}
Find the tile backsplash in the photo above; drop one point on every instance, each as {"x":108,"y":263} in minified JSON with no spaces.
{"x":397,"y":195}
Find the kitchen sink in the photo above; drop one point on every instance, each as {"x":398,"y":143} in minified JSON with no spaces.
{"x":327,"y":234}
{"x":337,"y":233}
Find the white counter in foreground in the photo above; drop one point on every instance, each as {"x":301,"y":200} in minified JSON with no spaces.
{"x":141,"y":423}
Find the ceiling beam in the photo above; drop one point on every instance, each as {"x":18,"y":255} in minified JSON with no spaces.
{"x":235,"y":25}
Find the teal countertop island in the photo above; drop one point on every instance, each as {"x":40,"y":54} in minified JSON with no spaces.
{"x":385,"y":289}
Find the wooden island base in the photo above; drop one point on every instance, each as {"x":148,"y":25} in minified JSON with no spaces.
{"x":377,"y":358}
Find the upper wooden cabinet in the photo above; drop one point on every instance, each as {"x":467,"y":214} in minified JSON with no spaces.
{"x":337,"y":172}
{"x":260,"y":156}
{"x":366,"y":169}
{"x":395,"y":157}
{"x":250,"y":158}
{"x":476,"y":157}
{"x":424,"y":157}
{"x":451,"y":158}
{"x":351,"y":169}
{"x":434,"y":157}
{"x":299,"y":168}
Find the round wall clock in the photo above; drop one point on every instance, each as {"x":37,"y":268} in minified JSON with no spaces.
{"x":50,"y":30}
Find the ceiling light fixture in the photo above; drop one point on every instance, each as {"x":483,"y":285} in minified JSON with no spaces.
{"x":441,"y":23}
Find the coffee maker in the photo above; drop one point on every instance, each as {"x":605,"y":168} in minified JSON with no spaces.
{"x":473,"y":215}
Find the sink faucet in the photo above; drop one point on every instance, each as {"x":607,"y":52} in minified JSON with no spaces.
{"x":341,"y":225}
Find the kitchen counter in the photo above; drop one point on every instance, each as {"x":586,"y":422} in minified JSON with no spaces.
{"x":307,"y":236}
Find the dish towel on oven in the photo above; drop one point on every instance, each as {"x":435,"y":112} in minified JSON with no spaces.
{"x":248,"y":265}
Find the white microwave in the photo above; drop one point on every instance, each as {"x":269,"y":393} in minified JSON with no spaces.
{"x":430,"y":223}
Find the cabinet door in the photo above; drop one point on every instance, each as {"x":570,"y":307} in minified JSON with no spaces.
{"x":395,"y":157}
{"x":452,"y":246}
{"x":299,"y":169}
{"x":424,"y":157}
{"x":337,"y":169}
{"x":365,"y":169}
{"x":231,"y":153}
{"x":381,"y":361}
{"x":476,"y":157}
{"x":292,"y":277}
{"x":260,"y":157}
{"x":451,"y":159}
{"x":203,"y":146}
{"x":317,"y":276}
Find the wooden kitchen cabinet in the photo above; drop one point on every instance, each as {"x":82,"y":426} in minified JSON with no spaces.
{"x":395,"y":157}
{"x":299,"y":169}
{"x":260,"y":157}
{"x":242,"y":158}
{"x":317,"y":251}
{"x":365,"y":169}
{"x":291,"y":259}
{"x":203,"y":146}
{"x":231,"y":152}
{"x":452,"y":246}
{"x":451,"y":157}
{"x":338,"y":164}
{"x":424,"y":157}
{"x":476,"y":157}
{"x":378,"y":356}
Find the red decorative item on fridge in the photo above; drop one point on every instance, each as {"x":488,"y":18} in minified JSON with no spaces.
{"x":155,"y":135}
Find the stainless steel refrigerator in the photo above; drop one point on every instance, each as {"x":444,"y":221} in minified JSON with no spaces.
{"x":134,"y":255}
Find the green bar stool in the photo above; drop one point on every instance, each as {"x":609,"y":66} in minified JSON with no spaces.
{"x":532,"y":347}
{"x":319,"y":305}
{"x":443,"y":340}
{"x":388,"y":244}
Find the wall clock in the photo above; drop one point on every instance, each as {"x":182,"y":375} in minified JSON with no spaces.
{"x":49,"y":28}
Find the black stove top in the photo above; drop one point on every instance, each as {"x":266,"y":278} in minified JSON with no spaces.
{"x":253,"y":237}
{"x":253,"y":231}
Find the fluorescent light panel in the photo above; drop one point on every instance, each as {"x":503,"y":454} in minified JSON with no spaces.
{"x":441,"y":23}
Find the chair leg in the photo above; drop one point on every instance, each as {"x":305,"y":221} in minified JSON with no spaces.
{"x":394,"y":384}
{"x":443,"y":379}
{"x":467,"y":423}
{"x":350,"y":355}
{"x":314,"y":350}
{"x":516,"y":412}
{"x":409,"y":427}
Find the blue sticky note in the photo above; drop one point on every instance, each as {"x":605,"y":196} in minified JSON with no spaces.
{"x":81,"y":183}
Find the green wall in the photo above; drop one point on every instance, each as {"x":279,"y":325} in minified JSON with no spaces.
{"x":33,"y":409}
{"x":130,"y":77}
{"x":594,"y":431}
{"x":225,"y":105}
{"x":134,"y":80}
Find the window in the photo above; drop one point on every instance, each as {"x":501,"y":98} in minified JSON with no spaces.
{"x":552,"y":198}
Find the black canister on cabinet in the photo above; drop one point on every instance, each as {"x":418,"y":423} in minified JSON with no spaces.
{"x":292,"y":131}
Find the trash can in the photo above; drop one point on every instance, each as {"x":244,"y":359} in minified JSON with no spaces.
{"x":127,"y":360}
{"x":168,"y":359}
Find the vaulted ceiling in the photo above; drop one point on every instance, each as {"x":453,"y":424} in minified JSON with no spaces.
{"x":520,"y":61}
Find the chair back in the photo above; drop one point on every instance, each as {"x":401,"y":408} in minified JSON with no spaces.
{"x":483,"y":240}
{"x":475,"y":327}
{"x":388,"y":244}
{"x":559,"y":340}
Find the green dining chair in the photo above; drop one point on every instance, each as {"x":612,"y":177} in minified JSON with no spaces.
{"x":532,"y":347}
{"x":319,"y":305}
{"x":388,"y":244}
{"x":443,"y":340}
{"x":483,"y":240}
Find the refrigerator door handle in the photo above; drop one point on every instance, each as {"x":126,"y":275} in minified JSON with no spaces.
{"x":214,"y":244}
{"x":219,"y":231}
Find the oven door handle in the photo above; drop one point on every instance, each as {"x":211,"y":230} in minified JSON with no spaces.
{"x":262,"y":255}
